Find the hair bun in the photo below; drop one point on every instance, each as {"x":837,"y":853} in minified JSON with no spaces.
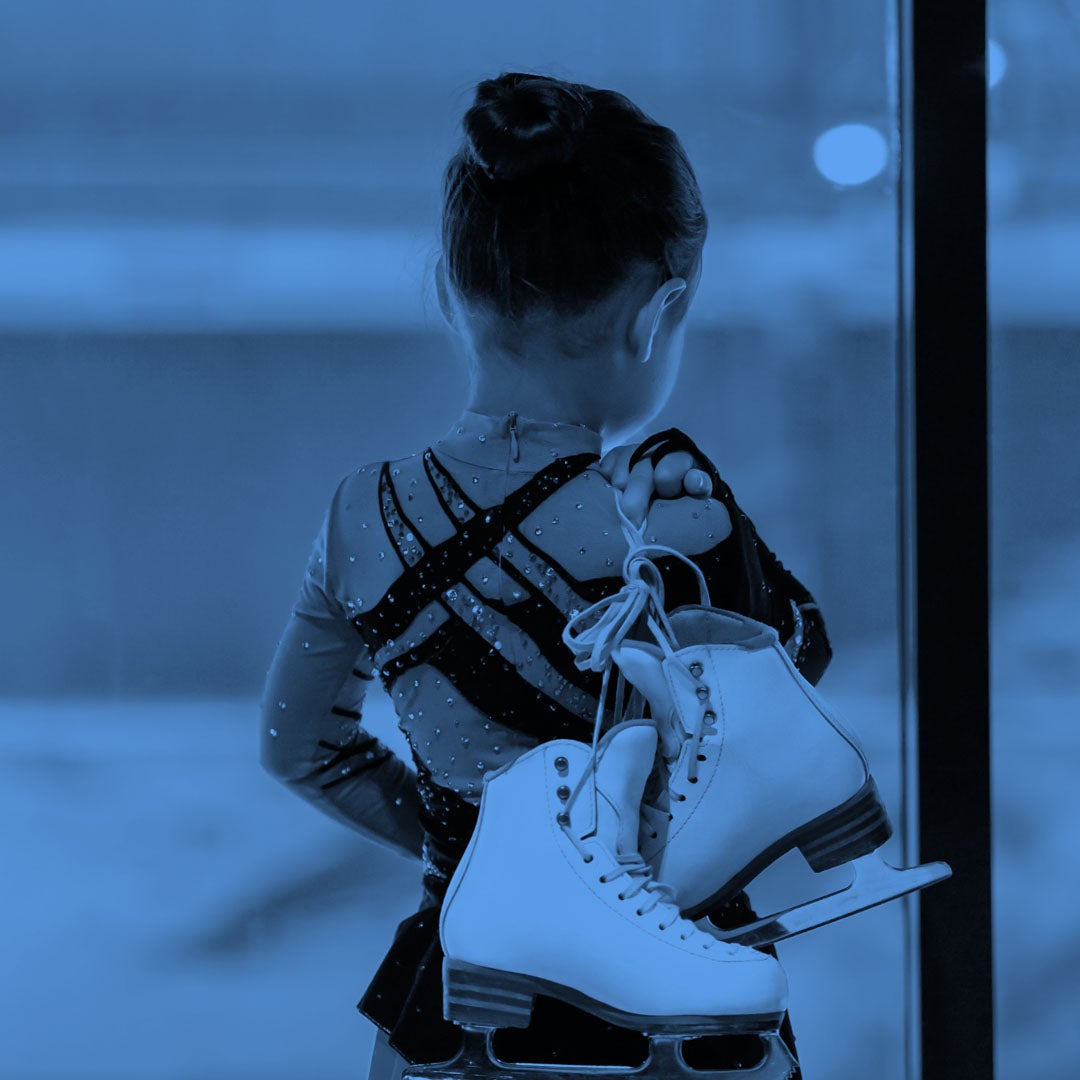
{"x":521,"y":124}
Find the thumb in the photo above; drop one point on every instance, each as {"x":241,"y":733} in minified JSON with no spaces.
{"x":698,"y":482}
{"x":639,"y":492}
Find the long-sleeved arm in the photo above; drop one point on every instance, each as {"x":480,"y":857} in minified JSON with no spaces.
{"x":312,"y":741}
{"x":762,"y":587}
{"x":311,"y":738}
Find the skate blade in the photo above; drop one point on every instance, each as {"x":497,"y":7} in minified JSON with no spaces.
{"x":478,"y":1061}
{"x":874,"y":882}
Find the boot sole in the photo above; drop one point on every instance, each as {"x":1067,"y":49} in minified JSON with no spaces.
{"x":476,"y":996}
{"x":847,"y":832}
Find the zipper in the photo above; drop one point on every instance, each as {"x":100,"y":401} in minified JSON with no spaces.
{"x":514,"y":454}
{"x":515,"y":450}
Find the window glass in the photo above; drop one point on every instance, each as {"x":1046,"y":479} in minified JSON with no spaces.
{"x":1034,"y":253}
{"x":220,"y":222}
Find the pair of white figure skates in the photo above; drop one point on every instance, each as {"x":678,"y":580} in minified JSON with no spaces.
{"x":591,"y":868}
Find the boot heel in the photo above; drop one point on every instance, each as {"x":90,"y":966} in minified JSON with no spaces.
{"x":853,"y":829}
{"x":480,"y":997}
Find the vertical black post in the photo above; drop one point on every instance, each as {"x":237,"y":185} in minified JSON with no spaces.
{"x":944,"y":518}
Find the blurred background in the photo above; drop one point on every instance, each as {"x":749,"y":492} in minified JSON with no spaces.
{"x":218,"y":222}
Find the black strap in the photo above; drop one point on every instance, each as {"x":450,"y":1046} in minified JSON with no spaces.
{"x":537,"y":613}
{"x":492,"y":684}
{"x":668,"y":442}
{"x":671,"y":441}
{"x":445,"y":564}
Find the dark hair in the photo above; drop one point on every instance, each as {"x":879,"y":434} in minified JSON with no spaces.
{"x":558,"y":191}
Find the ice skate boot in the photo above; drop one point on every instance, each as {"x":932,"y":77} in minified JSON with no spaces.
{"x":553,"y":897}
{"x":755,"y":762}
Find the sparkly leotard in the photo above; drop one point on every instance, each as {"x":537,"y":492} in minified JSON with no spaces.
{"x":449,"y":575}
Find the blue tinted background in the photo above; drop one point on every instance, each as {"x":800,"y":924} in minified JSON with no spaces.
{"x":217,"y":228}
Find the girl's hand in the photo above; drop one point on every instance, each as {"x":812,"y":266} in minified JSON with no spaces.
{"x":674,"y":476}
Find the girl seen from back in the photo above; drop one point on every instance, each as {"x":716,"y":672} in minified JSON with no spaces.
{"x":572,"y":238}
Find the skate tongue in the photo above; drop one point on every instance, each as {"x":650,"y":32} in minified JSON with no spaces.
{"x":642,"y":665}
{"x":624,"y":761}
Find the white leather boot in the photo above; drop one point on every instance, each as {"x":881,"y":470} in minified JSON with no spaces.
{"x":553,"y":897}
{"x":755,"y":762}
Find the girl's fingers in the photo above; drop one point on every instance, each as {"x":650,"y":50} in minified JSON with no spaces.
{"x":621,"y":477}
{"x":638,"y":492}
{"x":606,"y":464}
{"x":698,"y":482}
{"x":674,"y":476}
{"x":671,"y":472}
{"x":614,"y":465}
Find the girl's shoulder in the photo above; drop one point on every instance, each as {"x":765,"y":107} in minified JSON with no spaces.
{"x":581,"y":528}
{"x":361,"y":559}
{"x":690,"y":524}
{"x":385,"y":515}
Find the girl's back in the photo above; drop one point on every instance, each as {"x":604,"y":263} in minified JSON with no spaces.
{"x":573,"y":228}
{"x":461,"y":615}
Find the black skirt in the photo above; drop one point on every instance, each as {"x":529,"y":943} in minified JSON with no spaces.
{"x":405,"y":999}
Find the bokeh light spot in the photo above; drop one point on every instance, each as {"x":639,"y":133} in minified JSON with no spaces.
{"x":997,"y":63}
{"x":851,"y":153}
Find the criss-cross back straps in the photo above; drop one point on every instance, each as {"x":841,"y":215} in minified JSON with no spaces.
{"x":430,"y":571}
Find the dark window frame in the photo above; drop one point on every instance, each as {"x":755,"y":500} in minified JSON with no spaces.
{"x":943,"y":466}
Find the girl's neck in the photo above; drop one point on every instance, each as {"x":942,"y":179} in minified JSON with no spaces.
{"x":540,"y":412}
{"x":530,"y":370}
{"x":514,"y":442}
{"x":571,"y":399}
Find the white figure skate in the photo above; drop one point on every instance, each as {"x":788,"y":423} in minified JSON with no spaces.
{"x":755,"y":763}
{"x":552,"y":897}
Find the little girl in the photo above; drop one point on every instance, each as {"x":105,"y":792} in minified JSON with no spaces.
{"x":572,"y":236}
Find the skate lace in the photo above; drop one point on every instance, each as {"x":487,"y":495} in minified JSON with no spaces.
{"x":592,"y":635}
{"x":640,"y":880}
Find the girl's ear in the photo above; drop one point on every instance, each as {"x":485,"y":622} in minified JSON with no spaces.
{"x":446,"y":305}
{"x":648,"y":319}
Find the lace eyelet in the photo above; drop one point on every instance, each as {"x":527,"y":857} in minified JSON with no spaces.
{"x":588,"y":858}
{"x":639,"y":912}
{"x":653,"y":836}
{"x":693,"y":779}
{"x":602,"y":879}
{"x":702,"y":757}
{"x":621,"y":897}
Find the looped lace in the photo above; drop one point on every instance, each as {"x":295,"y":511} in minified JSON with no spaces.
{"x":636,"y":869}
{"x":643,"y":594}
{"x":640,"y":549}
{"x":592,"y":635}
{"x":615,"y":616}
